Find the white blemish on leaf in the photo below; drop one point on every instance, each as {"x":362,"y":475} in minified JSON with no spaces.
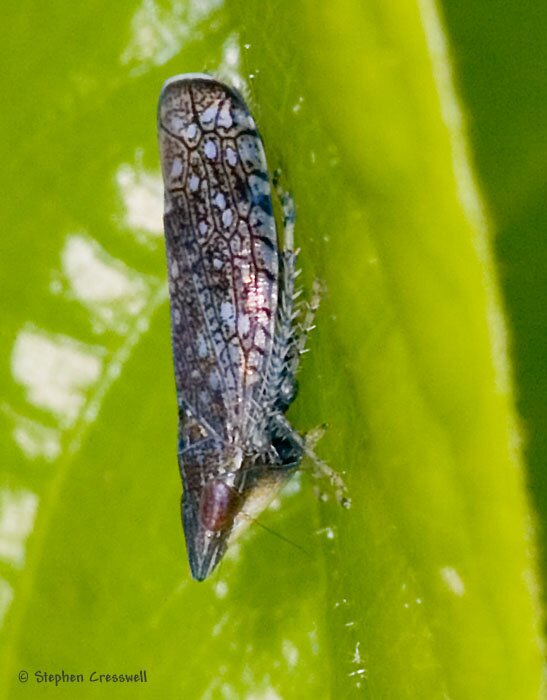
{"x":55,"y":370}
{"x":142,"y":195}
{"x":6,"y":596}
{"x":160,"y":31}
{"x":290,"y":653}
{"x":221,"y":589}
{"x":17,"y":513}
{"x":36,"y":440}
{"x":453,"y":580}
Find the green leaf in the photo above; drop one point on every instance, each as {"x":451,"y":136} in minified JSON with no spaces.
{"x":502,"y":59}
{"x":426,"y":587}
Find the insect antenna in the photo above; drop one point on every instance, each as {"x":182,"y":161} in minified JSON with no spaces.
{"x":276,"y":534}
{"x":268,"y":529}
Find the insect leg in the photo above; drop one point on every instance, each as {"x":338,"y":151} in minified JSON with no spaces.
{"x":289,"y":212}
{"x":289,"y":273}
{"x":284,"y":359}
{"x":320,"y":468}
{"x":305,"y":323}
{"x":302,"y":315}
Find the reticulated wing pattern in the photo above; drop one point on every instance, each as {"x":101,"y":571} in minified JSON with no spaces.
{"x":222,"y":254}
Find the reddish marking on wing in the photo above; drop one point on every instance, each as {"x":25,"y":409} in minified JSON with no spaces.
{"x":218,"y":505}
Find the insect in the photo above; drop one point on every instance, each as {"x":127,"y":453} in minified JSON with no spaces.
{"x":237,"y":331}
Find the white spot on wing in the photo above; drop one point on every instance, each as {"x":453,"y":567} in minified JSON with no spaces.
{"x":208,"y":115}
{"x":258,"y":186}
{"x":260,"y":338}
{"x":220,"y":200}
{"x":227,"y":313}
{"x":214,"y":381}
{"x":176,"y":167}
{"x":191,"y":130}
{"x":176,"y":123}
{"x":225,"y":118}
{"x":210,"y":149}
{"x":231,"y":157}
{"x":243,"y":324}
{"x":202,"y":346}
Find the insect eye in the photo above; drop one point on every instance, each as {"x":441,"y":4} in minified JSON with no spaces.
{"x":218,"y":505}
{"x":289,"y":452}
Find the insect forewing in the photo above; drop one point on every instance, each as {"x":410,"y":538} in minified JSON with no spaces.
{"x":223,"y":285}
{"x":222,"y":255}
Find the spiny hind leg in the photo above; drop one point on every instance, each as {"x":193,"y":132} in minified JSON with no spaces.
{"x":295,"y":321}
{"x":288,"y":293}
{"x":306,"y":317}
{"x":320,"y":469}
{"x":285,"y":351}
{"x":297,"y":315}
{"x":288,"y":210}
